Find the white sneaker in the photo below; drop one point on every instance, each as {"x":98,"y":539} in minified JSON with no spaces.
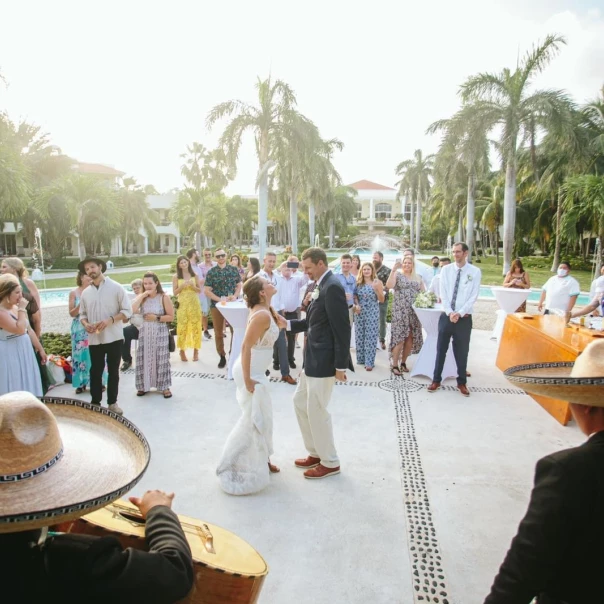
{"x":115,"y":408}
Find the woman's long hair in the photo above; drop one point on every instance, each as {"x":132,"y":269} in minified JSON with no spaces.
{"x":414,"y":276}
{"x":17,"y":265}
{"x":152,"y":275}
{"x":8,"y":284}
{"x":238,"y":260}
{"x":179,"y":274}
{"x":251,"y":293}
{"x":255,"y":266}
{"x":360,"y":277}
{"x":516,"y":264}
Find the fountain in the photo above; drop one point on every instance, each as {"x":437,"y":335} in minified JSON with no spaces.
{"x":376,"y":243}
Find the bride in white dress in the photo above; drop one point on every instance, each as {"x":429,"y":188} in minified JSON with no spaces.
{"x":244,"y":467}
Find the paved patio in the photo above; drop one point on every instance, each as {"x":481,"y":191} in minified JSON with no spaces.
{"x":431,"y":491}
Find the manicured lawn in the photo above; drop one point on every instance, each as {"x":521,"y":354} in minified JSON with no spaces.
{"x":125,"y":278}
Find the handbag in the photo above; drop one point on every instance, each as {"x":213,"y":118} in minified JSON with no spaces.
{"x":171,"y":342}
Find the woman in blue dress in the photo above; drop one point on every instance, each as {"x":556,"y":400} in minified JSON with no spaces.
{"x":80,"y":355}
{"x":369,"y":292}
{"x":18,"y":366}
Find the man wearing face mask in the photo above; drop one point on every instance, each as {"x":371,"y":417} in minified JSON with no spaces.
{"x":560,"y":292}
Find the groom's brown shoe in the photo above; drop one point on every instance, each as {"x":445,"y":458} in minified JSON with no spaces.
{"x":321,"y":472}
{"x":308,"y":462}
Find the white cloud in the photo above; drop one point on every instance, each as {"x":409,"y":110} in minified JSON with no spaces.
{"x":130,"y":83}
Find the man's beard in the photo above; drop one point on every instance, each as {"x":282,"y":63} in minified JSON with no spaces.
{"x":376,"y":264}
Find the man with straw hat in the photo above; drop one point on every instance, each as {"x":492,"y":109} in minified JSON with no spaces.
{"x":558,"y":553}
{"x":50,"y":473}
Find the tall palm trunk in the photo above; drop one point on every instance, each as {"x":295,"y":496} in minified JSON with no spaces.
{"x":81,"y":244}
{"x":418,"y":227}
{"x":459,"y":234}
{"x":262,"y":213}
{"x":311,"y":223}
{"x":509,"y":209}
{"x":470,"y":213}
{"x":497,"y":244}
{"x":411,"y":224}
{"x":293,"y":221}
{"x":556,"y":261}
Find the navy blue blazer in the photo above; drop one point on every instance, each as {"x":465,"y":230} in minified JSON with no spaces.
{"x":328,"y":329}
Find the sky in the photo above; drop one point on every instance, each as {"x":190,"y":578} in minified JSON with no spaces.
{"x":130,"y":83}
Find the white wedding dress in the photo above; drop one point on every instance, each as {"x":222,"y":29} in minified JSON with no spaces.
{"x":243,"y":467}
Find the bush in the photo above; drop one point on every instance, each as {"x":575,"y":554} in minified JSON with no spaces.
{"x":57,"y":343}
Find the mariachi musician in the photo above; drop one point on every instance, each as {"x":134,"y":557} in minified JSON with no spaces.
{"x":59,"y":462}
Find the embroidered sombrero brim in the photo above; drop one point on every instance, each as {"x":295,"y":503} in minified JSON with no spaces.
{"x":554,"y":380}
{"x":104,"y":456}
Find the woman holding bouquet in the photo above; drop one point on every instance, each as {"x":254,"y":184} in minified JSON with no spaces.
{"x":369,"y":292}
{"x":406,"y":330}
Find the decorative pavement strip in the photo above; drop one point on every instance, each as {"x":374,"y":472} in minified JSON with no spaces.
{"x":429,"y":581}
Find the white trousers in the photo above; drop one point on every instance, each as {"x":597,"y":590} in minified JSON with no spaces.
{"x":310,"y":400}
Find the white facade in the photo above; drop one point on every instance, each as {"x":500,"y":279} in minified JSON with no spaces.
{"x":377,"y":205}
{"x":168,"y":234}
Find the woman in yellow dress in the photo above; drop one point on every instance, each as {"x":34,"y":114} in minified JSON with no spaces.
{"x":185,"y":286}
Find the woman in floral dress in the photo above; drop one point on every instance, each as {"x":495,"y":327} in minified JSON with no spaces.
{"x":185,"y":285}
{"x":406,"y":330}
{"x":368,"y":293}
{"x":153,"y":352}
{"x":80,"y":355}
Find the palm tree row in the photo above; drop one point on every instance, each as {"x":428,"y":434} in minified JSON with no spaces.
{"x":549,"y":187}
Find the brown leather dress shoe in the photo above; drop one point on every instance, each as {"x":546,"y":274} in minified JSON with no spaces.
{"x":433,"y":387}
{"x":463,"y":389}
{"x":307,"y":462}
{"x":288,"y":379}
{"x":321,"y":472}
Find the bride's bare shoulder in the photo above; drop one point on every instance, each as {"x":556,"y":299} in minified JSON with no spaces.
{"x":260,"y":317}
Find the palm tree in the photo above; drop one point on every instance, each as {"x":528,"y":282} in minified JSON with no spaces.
{"x":465,"y":140}
{"x":241,"y":215}
{"x":215,"y":216}
{"x":340,"y":211}
{"x":415,"y":184}
{"x":584,"y":199}
{"x":94,"y":211}
{"x":136,"y":212}
{"x":272,"y":121}
{"x":187,"y":213}
{"x":503,"y":100}
{"x":489,"y":208}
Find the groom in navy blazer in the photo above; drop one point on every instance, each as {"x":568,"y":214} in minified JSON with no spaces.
{"x":326,"y":359}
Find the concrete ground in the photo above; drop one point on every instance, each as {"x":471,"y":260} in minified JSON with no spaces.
{"x":431,"y":491}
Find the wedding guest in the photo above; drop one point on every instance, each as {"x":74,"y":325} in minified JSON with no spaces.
{"x":253,"y":268}
{"x":236,"y":262}
{"x":15,"y":266}
{"x":356,"y":265}
{"x":518,"y":278}
{"x":153,"y":354}
{"x":420,"y":268}
{"x":382,"y":272}
{"x":596,"y":284}
{"x":131,"y":330}
{"x":104,"y":306}
{"x":435,"y":284}
{"x":596,"y":306}
{"x":80,"y":353}
{"x":405,"y":329}
{"x":435,"y":261}
{"x":185,"y":286}
{"x":560,"y":292}
{"x":368,"y":295}
{"x":222,"y":281}
{"x":18,"y":368}
{"x":459,"y":289}
{"x":348,"y":281}
{"x":204,"y":268}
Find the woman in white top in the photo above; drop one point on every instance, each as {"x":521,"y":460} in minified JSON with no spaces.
{"x":243,"y":467}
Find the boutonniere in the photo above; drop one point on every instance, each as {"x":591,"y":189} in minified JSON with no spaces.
{"x":315,"y":294}
{"x":468,"y":278}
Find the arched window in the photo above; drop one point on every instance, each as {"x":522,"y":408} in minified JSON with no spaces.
{"x":383,"y":211}
{"x":359,"y":213}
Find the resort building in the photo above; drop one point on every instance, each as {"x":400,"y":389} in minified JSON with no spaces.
{"x":378,"y":208}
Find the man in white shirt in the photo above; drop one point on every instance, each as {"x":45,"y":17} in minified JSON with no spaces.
{"x":435,"y":285}
{"x":280,"y":360}
{"x":597,"y":285}
{"x":292,"y":282}
{"x":560,"y":292}
{"x":459,"y":289}
{"x":104,"y":307}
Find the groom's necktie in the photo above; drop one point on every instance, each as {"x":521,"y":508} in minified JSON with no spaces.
{"x":454,"y":297}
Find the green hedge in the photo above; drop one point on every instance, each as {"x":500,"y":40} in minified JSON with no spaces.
{"x":57,"y":343}
{"x":72,"y":263}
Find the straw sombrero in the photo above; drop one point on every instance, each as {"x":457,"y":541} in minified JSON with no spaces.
{"x":581,"y":382}
{"x":63,"y":458}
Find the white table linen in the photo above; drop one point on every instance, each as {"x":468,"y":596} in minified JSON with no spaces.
{"x":509,"y":299}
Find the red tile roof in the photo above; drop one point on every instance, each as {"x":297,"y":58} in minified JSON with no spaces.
{"x":367,"y":184}
{"x":98,"y":169}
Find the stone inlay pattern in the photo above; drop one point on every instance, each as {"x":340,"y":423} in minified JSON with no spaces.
{"x":429,"y":581}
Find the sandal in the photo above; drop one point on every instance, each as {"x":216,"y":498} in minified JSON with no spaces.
{"x":183,"y":356}
{"x":140,"y":393}
{"x":167,"y":394}
{"x":404,"y":367}
{"x":79,"y":390}
{"x":273,"y":469}
{"x":395,"y":370}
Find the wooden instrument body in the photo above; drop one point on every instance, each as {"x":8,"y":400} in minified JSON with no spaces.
{"x":227,"y":569}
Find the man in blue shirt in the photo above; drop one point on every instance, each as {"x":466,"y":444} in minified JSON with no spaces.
{"x":348,"y":281}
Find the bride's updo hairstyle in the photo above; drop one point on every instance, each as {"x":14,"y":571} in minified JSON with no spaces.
{"x":251,"y":292}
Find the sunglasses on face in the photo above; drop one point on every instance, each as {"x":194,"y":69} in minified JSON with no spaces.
{"x":220,"y":255}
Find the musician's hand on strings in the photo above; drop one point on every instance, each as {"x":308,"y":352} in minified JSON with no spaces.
{"x":150,"y":499}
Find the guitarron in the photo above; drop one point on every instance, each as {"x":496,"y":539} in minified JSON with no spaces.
{"x":227,"y":568}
